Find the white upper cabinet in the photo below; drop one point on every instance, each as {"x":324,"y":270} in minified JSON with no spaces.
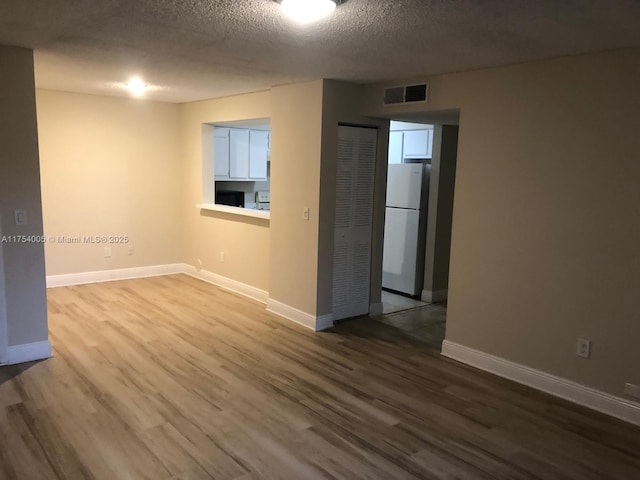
{"x":417,"y":143}
{"x":258,"y":150}
{"x":410,"y":143}
{"x":238,"y":154}
{"x":221,"y":153}
{"x":395,"y":147}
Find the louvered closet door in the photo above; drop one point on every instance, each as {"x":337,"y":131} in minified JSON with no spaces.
{"x":354,"y":213}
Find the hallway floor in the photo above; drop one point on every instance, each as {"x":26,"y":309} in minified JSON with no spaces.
{"x":392,"y":302}
{"x":426,"y":323}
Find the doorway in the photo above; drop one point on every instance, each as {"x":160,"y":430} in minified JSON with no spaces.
{"x":427,"y":143}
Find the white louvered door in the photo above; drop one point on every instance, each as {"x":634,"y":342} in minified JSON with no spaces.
{"x":353,"y":217}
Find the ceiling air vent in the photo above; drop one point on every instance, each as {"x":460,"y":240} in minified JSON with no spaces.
{"x":406,"y":94}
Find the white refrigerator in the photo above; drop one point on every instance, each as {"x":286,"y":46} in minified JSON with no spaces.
{"x":405,"y":227}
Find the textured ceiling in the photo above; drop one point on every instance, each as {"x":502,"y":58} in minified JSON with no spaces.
{"x":196,"y":49}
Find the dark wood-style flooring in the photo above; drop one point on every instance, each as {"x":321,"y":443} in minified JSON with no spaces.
{"x":173,"y":378}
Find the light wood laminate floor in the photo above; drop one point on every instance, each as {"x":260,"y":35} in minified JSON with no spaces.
{"x":172,"y":378}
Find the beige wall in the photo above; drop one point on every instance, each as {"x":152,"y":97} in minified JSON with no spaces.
{"x":24,"y":277}
{"x":545,"y":229}
{"x":296,"y":131}
{"x":110,"y":166}
{"x":545,"y":226}
{"x":244,"y":240}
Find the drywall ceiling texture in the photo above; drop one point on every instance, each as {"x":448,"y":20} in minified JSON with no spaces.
{"x":192,"y":50}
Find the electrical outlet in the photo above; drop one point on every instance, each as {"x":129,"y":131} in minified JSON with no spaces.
{"x":632,"y":390}
{"x":107,"y":252}
{"x":584,"y":348}
{"x":222,"y":256}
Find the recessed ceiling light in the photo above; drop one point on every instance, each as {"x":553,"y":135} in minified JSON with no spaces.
{"x":136,"y":86}
{"x":307,"y":11}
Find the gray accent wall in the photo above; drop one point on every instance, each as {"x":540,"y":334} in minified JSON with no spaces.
{"x":24,"y":271}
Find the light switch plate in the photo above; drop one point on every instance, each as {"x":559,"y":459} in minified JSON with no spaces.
{"x":20,"y":217}
{"x":584,"y":348}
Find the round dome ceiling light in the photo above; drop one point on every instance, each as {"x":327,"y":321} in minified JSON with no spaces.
{"x":137,"y":87}
{"x":307,"y":11}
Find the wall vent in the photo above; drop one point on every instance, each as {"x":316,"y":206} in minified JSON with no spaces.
{"x":406,"y":94}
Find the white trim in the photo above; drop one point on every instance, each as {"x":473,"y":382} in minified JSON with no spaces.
{"x":246,"y":212}
{"x":435,"y":296}
{"x":28,"y":352}
{"x":375,"y":309}
{"x":227,"y":283}
{"x":560,"y":387}
{"x":323,"y":322}
{"x":293,"y":314}
{"x":112,"y":275}
{"x":305,"y":319}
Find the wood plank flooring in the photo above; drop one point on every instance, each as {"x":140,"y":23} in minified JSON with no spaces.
{"x":171,"y":378}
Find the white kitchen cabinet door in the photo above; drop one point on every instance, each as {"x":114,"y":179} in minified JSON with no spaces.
{"x":238,"y":154}
{"x":258,"y":148}
{"x":221,"y":153}
{"x":416,"y":143}
{"x":395,"y":147}
{"x":355,"y":168}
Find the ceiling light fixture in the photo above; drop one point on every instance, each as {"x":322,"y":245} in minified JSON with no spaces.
{"x":136,"y":86}
{"x":307,"y":11}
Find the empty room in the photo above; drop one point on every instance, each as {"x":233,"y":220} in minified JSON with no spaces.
{"x":207,"y":206}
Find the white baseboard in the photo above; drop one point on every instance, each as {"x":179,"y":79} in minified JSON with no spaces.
{"x":227,"y":283}
{"x":155,"y":271}
{"x":305,"y":319}
{"x":324,"y":322}
{"x":560,"y":387}
{"x":28,"y":352}
{"x":435,"y":296}
{"x":375,"y":309}
{"x":112,"y":275}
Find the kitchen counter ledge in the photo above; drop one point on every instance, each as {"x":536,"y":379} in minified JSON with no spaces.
{"x":247,"y":212}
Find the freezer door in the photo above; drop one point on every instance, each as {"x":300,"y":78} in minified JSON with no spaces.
{"x":404,"y":183}
{"x":400,"y":254}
